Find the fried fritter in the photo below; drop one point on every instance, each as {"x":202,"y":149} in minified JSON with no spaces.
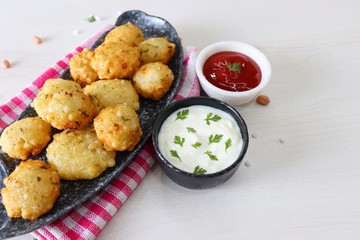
{"x":118,"y":128}
{"x":25,"y":137}
{"x":30,"y":190}
{"x":157,"y":49}
{"x":127,"y":33}
{"x":105,"y":93}
{"x":53,"y":85}
{"x":79,"y":154}
{"x":153,"y":80}
{"x":63,"y":104}
{"x":115,"y":60}
{"x":80,"y":68}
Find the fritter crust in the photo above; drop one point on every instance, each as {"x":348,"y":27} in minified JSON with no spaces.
{"x":157,"y":49}
{"x":30,"y":190}
{"x":153,"y":80}
{"x":79,"y":154}
{"x":118,"y":128}
{"x":80,"y":68}
{"x":63,"y":104}
{"x":127,"y":33}
{"x":105,"y":93}
{"x":25,"y":137}
{"x":115,"y":60}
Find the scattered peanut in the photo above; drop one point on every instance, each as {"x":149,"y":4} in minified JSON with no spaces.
{"x":37,"y":40}
{"x":5,"y":64}
{"x":263,"y":100}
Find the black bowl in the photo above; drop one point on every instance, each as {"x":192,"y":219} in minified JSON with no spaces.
{"x":187,"y":179}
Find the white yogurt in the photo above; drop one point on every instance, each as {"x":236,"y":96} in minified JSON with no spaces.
{"x":200,"y":139}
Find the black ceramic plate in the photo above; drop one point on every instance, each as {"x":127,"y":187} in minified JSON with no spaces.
{"x":76,"y":192}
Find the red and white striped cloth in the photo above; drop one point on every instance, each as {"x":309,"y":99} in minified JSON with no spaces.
{"x":89,"y":218}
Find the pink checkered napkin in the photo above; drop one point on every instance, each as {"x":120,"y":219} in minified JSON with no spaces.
{"x":89,"y":218}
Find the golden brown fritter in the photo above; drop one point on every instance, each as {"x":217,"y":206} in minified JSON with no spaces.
{"x":63,"y":104}
{"x":25,"y":137}
{"x":127,"y":33}
{"x":80,"y":68}
{"x":118,"y":128}
{"x":57,"y":84}
{"x":30,"y":190}
{"x":79,"y":154}
{"x":105,"y":93}
{"x":115,"y":60}
{"x":153,"y":80}
{"x":157,"y":49}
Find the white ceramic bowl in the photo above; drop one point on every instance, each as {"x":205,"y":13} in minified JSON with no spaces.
{"x":233,"y":98}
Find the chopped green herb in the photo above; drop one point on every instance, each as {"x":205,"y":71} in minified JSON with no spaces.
{"x":175,"y":154}
{"x":211,"y":156}
{"x":199,"y":170}
{"x":233,"y":67}
{"x":228,"y":144}
{"x":211,"y":117}
{"x":182,"y":114}
{"x":91,"y":19}
{"x":215,"y":139}
{"x":191,"y":130}
{"x":178,"y":140}
{"x":196,"y":145}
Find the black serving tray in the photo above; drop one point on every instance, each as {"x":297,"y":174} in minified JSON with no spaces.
{"x":75,"y":192}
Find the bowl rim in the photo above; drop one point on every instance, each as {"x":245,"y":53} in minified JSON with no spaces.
{"x":215,"y":47}
{"x":179,"y":104}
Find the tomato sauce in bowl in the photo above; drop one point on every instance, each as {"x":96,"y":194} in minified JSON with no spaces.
{"x":232,"y":71}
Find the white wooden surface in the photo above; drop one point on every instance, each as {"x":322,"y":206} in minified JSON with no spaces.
{"x":305,"y":188}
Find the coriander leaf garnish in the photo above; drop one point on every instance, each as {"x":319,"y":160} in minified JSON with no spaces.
{"x":211,"y":156}
{"x":196,"y":145}
{"x":91,"y":19}
{"x":199,"y":170}
{"x":228,"y":143}
{"x":175,"y":154}
{"x":178,"y":140}
{"x":233,"y":67}
{"x":191,"y":130}
{"x":215,"y":139}
{"x":182,"y":114}
{"x":211,"y":117}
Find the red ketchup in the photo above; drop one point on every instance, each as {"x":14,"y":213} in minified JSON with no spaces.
{"x":232,"y":71}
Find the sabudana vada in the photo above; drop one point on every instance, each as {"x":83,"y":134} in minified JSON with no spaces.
{"x":63,"y":104}
{"x":26,"y":137}
{"x":115,"y":60}
{"x":118,"y":128}
{"x":80,"y":68}
{"x":30,"y":190}
{"x":153,"y":80}
{"x":78,"y":154}
{"x":105,"y":93}
{"x":128,"y":33}
{"x":157,"y":49}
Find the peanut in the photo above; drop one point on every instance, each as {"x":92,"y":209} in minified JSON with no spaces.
{"x":5,"y":64}
{"x":37,"y":40}
{"x":263,"y":100}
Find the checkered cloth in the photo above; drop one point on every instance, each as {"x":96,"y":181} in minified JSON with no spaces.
{"x":89,"y":218}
